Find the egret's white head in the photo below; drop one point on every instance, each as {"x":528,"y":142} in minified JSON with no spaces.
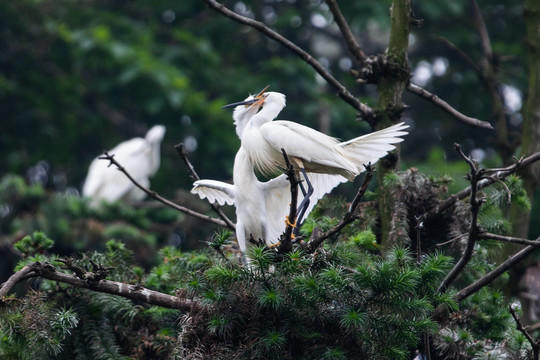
{"x":245,"y":110}
{"x":155,"y":134}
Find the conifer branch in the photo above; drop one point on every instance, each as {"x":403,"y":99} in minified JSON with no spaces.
{"x":129,"y":291}
{"x":342,"y":91}
{"x":180,"y":148}
{"x":158,"y":197}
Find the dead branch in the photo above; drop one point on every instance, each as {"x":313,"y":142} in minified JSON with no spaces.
{"x":129,"y":291}
{"x":474,"y":177}
{"x":535,"y":344}
{"x":158,"y":197}
{"x":352,"y":45}
{"x":515,"y":240}
{"x":194,"y":176}
{"x":423,"y":93}
{"x":495,"y":273}
{"x":498,"y":174}
{"x":261,"y":27}
{"x":349,"y":216}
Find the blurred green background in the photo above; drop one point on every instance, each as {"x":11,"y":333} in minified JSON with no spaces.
{"x":78,"y":77}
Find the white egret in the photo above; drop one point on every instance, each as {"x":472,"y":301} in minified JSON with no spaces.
{"x":139,"y":156}
{"x":261,"y":207}
{"x":309,"y":150}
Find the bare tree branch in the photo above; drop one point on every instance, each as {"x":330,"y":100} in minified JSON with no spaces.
{"x":474,"y":177}
{"x":423,"y":93}
{"x":194,"y":176}
{"x":349,"y":216}
{"x":132,"y":292}
{"x":524,"y":330}
{"x":482,"y":30}
{"x":352,"y":45}
{"x":498,"y":174}
{"x":14,"y":279}
{"x":259,"y":26}
{"x":158,"y":197}
{"x":515,"y":240}
{"x":495,"y":273}
{"x":461,"y":53}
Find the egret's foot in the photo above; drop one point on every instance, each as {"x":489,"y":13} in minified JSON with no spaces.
{"x":288,"y":223}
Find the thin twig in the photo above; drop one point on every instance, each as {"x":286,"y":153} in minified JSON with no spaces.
{"x":354,"y":48}
{"x":259,"y":26}
{"x":482,"y":30}
{"x":349,"y":216}
{"x":515,"y":240}
{"x":501,"y":173}
{"x":158,"y":197}
{"x":461,"y":53}
{"x":423,"y":93}
{"x":194,"y":176}
{"x":524,"y":330}
{"x":474,"y":177}
{"x":286,"y":244}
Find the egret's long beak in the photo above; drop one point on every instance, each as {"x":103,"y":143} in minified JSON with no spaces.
{"x":249,"y":102}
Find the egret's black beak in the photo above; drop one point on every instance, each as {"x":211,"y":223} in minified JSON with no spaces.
{"x":250,"y":101}
{"x":247,"y":102}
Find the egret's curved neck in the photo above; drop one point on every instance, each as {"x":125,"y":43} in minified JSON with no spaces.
{"x":269,"y":112}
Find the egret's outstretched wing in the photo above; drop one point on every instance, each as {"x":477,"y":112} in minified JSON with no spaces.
{"x":371,"y":147}
{"x":214,"y":191}
{"x":278,"y":198}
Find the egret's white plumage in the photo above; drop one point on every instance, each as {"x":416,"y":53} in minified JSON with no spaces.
{"x":139,"y":156}
{"x":309,"y":149}
{"x":261,"y":207}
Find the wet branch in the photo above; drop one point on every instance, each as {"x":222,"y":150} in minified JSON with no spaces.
{"x":535,"y":344}
{"x":194,"y":176}
{"x":423,"y":93}
{"x":261,"y":27}
{"x":158,"y":197}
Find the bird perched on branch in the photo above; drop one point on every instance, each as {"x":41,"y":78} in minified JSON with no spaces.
{"x":309,"y":151}
{"x":261,"y":207}
{"x":139,"y":156}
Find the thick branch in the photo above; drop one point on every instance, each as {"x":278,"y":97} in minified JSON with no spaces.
{"x":194,"y":176}
{"x":349,"y":216}
{"x":259,"y":26}
{"x":474,"y":176}
{"x":14,"y":279}
{"x":286,"y":244}
{"x":132,"y":292}
{"x":161,"y":199}
{"x":423,"y":93}
{"x":352,"y":45}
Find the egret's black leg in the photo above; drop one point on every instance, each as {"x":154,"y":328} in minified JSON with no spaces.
{"x":302,"y":208}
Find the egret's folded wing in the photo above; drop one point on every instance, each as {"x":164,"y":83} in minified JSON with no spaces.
{"x":278,"y":198}
{"x":214,"y":191}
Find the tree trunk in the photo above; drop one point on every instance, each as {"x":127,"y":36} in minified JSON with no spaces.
{"x":391,"y":86}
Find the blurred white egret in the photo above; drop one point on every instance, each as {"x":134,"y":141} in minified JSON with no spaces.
{"x":139,"y":156}
{"x":261,"y":207}
{"x":309,"y":150}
